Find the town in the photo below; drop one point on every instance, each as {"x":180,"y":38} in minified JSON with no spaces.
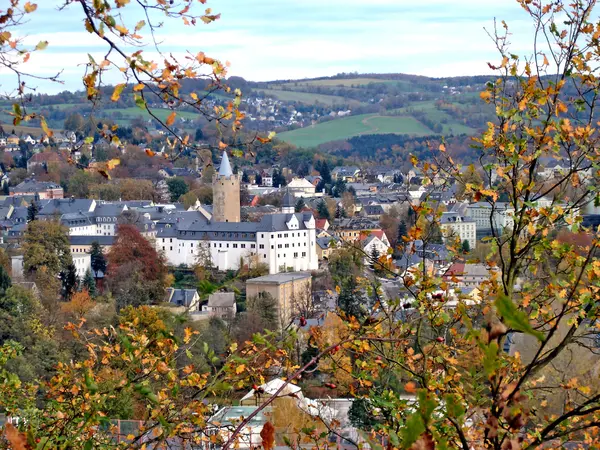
{"x":264,"y":226}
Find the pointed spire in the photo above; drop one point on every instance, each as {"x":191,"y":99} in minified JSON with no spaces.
{"x":225,"y":169}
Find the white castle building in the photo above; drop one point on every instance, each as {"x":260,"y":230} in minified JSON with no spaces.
{"x":283,"y":242}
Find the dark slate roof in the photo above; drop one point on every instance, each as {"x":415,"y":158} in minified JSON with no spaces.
{"x":109,"y":209}
{"x":452,"y":217}
{"x":356,"y":223}
{"x":235,"y":231}
{"x":18,"y":200}
{"x":78,"y":218}
{"x":373,"y":210}
{"x":180,"y":297}
{"x":34,"y":186}
{"x":134,"y":203}
{"x":65,"y":206}
{"x":4,"y":211}
{"x":326,"y":242}
{"x":19,"y":214}
{"x":88,"y":240}
{"x":181,"y":219}
{"x":408,"y":260}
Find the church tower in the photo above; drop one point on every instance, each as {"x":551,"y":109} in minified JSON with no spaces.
{"x":226,"y":193}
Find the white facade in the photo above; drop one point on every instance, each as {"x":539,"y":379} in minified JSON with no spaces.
{"x":483,"y":215}
{"x":290,"y":244}
{"x":453,"y":225}
{"x":301,"y":187}
{"x":82,"y":262}
{"x":373,"y":242}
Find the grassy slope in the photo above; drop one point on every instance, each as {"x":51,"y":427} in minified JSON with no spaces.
{"x":162,"y":114}
{"x":347,"y":127}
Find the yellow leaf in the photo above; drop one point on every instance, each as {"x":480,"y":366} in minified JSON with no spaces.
{"x":113,"y":163}
{"x":442,"y":148}
{"x":121,"y":29}
{"x":30,"y":7}
{"x":138,"y":87}
{"x":47,"y":130}
{"x":171,"y":118}
{"x":222,"y":145}
{"x":117,"y":92}
{"x":194,"y":96}
{"x":485,"y":95}
{"x":187,"y":335}
{"x":239,"y":369}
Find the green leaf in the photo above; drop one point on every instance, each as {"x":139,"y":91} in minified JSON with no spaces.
{"x":88,"y":445}
{"x":139,"y":101}
{"x":515,"y":319}
{"x":490,"y":358}
{"x":41,"y":45}
{"x":454,"y":406}
{"x":413,"y":428}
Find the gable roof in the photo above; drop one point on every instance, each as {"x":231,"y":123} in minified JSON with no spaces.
{"x":221,"y":300}
{"x":181,"y":297}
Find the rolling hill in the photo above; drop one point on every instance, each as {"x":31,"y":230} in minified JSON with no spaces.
{"x":347,"y":127}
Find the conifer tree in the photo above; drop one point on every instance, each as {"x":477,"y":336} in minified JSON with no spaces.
{"x":89,"y":283}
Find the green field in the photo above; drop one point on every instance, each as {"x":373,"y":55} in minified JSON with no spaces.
{"x":451,"y":125}
{"x":308,"y":98}
{"x":347,"y":127}
{"x":162,"y":114}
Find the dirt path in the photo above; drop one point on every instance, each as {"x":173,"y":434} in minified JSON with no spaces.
{"x":373,"y":129}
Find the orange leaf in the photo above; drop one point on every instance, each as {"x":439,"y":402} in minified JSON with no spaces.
{"x":171,"y":118}
{"x":410,"y":387}
{"x":105,"y":174}
{"x":442,"y":148}
{"x":138,"y":87}
{"x":485,"y":95}
{"x":17,"y":440}
{"x":222,"y":145}
{"x":149,"y":152}
{"x":267,"y":435}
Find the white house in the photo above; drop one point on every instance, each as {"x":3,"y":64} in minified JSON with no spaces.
{"x":301,"y":187}
{"x":267,"y":180}
{"x":371,"y":243}
{"x":453,"y":226}
{"x":30,"y":140}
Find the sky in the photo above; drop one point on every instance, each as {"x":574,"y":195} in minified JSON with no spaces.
{"x":292,"y":39}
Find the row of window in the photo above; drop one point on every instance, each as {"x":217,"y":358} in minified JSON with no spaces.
{"x":295,"y":255}
{"x":288,"y":245}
